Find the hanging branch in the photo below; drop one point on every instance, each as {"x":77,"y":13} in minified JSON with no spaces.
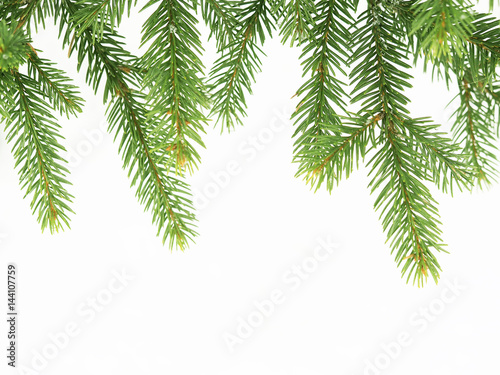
{"x":22,"y":12}
{"x":98,"y":15}
{"x":173,"y":65}
{"x":219,"y":17}
{"x":412,"y":151}
{"x":142,"y":140}
{"x":27,"y":105}
{"x":322,"y":97}
{"x":56,"y":87}
{"x":297,"y":16}
{"x":34,"y":131}
{"x":234,"y":71}
{"x":473,"y":128}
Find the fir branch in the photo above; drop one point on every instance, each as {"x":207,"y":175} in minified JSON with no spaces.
{"x":56,"y":87}
{"x":234,"y":72}
{"x":476,"y":69}
{"x":13,"y":46}
{"x":475,"y":45}
{"x":473,"y":130}
{"x":177,"y":93}
{"x":165,"y":196}
{"x":219,"y":17}
{"x":486,"y":33}
{"x":297,"y":20}
{"x":35,"y":134}
{"x":22,"y":12}
{"x":412,"y":151}
{"x":475,"y":117}
{"x":97,"y":15}
{"x":483,"y":50}
{"x":443,"y":26}
{"x":322,"y":95}
{"x":448,"y":165}
{"x":408,"y":211}
{"x":155,"y":103}
{"x":379,"y":78}
{"x":336,"y":153}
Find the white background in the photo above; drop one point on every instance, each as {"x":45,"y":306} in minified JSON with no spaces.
{"x":175,"y":313}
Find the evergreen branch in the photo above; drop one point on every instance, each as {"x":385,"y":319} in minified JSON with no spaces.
{"x":380,"y":83}
{"x":21,"y":12}
{"x":234,"y":72}
{"x":219,"y":17}
{"x":447,"y":164}
{"x":477,"y":40}
{"x":379,"y":78}
{"x":443,"y":26}
{"x":297,"y":20}
{"x":13,"y":46}
{"x":96,"y":15}
{"x":165,"y":196}
{"x":411,"y":151}
{"x":486,"y":33}
{"x":32,"y":128}
{"x":62,"y":95}
{"x":475,"y":117}
{"x":408,"y":211}
{"x":174,"y":69}
{"x":473,"y":130}
{"x":315,"y":116}
{"x":483,"y":50}
{"x":335,"y":155}
{"x":475,"y":68}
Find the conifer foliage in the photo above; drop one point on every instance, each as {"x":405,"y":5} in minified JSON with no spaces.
{"x":357,"y":58}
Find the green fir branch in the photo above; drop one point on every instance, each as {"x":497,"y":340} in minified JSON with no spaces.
{"x":13,"y":46}
{"x":483,"y":50}
{"x":23,"y":12}
{"x":297,"y":20}
{"x":337,"y":154}
{"x":443,"y":26}
{"x":56,"y":87}
{"x":219,"y":17}
{"x":165,"y":196}
{"x":234,"y":71}
{"x":447,"y":162}
{"x":380,"y":77}
{"x":97,"y":15}
{"x":473,"y":129}
{"x":322,"y":96}
{"x":35,"y":135}
{"x":412,"y":151}
{"x":174,"y":70}
{"x":408,"y":211}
